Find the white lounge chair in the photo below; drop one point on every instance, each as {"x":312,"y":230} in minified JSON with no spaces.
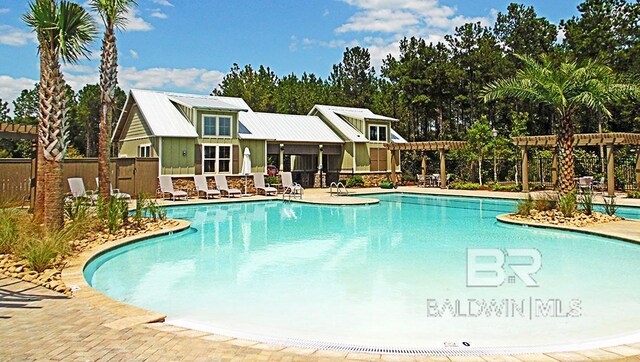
{"x":115,"y":192}
{"x":203,"y":186}
{"x":76,"y":185}
{"x":166,"y":187}
{"x":221,"y":184}
{"x":289,"y":186}
{"x":258,"y":183}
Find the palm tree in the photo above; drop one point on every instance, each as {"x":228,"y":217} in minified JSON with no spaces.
{"x":566,"y":88}
{"x":113,"y":14}
{"x":64,"y":31}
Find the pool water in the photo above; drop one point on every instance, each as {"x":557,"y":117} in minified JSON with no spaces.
{"x":387,"y":274}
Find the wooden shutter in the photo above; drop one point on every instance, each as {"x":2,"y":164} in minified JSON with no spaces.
{"x":198,"y":159}
{"x":236,"y":159}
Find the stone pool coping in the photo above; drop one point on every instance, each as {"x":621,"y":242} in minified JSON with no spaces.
{"x":73,"y":276}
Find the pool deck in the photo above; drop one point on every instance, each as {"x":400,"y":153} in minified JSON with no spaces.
{"x":39,"y":324}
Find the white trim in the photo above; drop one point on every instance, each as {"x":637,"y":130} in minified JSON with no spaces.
{"x":217,"y":128}
{"x":266,"y":157}
{"x":159,"y":156}
{"x":217,"y":158}
{"x":353,"y":144}
{"x":140,"y":146}
{"x":378,"y":126}
{"x":136,"y":138}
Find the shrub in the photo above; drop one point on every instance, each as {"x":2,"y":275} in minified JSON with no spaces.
{"x":8,"y":231}
{"x":633,"y":194}
{"x":610,"y":206}
{"x":386,"y":185}
{"x":76,"y":209}
{"x":508,"y":188}
{"x":155,"y":211}
{"x":139,"y":211}
{"x":586,"y":202}
{"x":41,"y":251}
{"x":464,"y":186}
{"x":272,"y":180}
{"x":524,"y":206}
{"x":355,"y":181}
{"x":116,"y":212}
{"x":567,"y":204}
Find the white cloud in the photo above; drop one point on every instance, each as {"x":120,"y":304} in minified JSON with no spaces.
{"x":163,"y":2}
{"x":189,"y":79}
{"x":326,"y":12}
{"x":293,"y":45}
{"x":157,"y":13}
{"x":10,"y":87}
{"x":14,"y":36}
{"x":134,"y":54}
{"x":135,"y":22}
{"x":4,"y":10}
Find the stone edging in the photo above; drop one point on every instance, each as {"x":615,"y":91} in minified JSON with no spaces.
{"x":73,"y":277}
{"x":589,"y":229}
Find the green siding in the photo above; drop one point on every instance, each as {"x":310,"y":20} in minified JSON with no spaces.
{"x":257,"y":149}
{"x":174,"y":161}
{"x":136,"y":126}
{"x":347,"y":159}
{"x":362,"y":157}
{"x":130,"y":148}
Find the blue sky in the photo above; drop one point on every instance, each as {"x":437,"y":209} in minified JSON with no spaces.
{"x":188,"y":45}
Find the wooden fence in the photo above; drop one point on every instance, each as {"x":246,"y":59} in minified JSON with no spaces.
{"x":130,"y":175}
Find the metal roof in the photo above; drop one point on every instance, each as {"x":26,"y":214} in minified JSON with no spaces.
{"x":396,"y":138}
{"x":209,"y":102}
{"x":363,"y":114}
{"x":285,"y":128}
{"x":344,"y":127}
{"x":162,"y":117}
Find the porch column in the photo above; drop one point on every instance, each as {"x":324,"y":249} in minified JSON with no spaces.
{"x":525,"y":169}
{"x":611,"y":179}
{"x":281,"y":168}
{"x":443,"y":170}
{"x":393,"y":167}
{"x":554,"y":168}
{"x":319,"y":179}
{"x":638,"y":170}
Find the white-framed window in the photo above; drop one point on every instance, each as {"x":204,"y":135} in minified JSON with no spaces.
{"x":378,"y":133}
{"x":144,"y":150}
{"x":216,"y":126}
{"x":216,"y":158}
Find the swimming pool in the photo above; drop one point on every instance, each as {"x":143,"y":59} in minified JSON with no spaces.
{"x":391,"y":275}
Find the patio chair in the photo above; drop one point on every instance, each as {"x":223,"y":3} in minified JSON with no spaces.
{"x":422,"y":180}
{"x":203,"y":187}
{"x":115,"y":192}
{"x":76,"y":185}
{"x":585,"y":183}
{"x":221,"y":184}
{"x":258,"y":183}
{"x":166,"y":187}
{"x":288,"y":184}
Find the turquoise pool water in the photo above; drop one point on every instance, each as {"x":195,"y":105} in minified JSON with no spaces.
{"x":388,"y":274}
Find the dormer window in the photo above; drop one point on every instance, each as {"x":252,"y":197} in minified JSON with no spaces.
{"x":216,"y":126}
{"x":378,"y":133}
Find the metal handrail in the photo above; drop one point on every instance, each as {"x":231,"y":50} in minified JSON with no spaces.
{"x":338,"y":192}
{"x":294,"y":190}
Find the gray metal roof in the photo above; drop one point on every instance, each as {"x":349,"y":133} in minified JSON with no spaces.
{"x":162,"y":117}
{"x":396,"y":138}
{"x":209,"y":102}
{"x":285,"y":128}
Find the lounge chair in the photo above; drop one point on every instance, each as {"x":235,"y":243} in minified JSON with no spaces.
{"x":289,"y":186}
{"x":221,"y":184}
{"x":422,"y":180}
{"x":115,"y":192}
{"x":258,"y":183}
{"x":203,"y":186}
{"x":76,"y":185}
{"x":585,"y":183}
{"x":166,"y":187}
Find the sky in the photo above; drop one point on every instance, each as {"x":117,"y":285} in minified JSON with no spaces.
{"x":189,"y":45}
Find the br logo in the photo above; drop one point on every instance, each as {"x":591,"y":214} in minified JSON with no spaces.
{"x":488,"y":267}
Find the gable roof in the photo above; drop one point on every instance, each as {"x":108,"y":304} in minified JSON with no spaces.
{"x":162,"y":117}
{"x":335,"y":114}
{"x":210,"y":102}
{"x":285,"y":128}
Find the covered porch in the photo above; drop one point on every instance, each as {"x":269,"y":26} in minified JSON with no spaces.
{"x":311,"y":165}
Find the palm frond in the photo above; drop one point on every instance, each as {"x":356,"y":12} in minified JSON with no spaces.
{"x":113,"y":12}
{"x":77,"y":31}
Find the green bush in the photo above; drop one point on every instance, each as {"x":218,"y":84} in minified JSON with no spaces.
{"x":464,"y":186}
{"x":76,"y":209}
{"x":567,"y":204}
{"x":610,"y":206}
{"x":155,"y":211}
{"x":586,"y":202}
{"x":633,"y":194}
{"x":138,"y":213}
{"x":355,"y":181}
{"x":116,"y":212}
{"x":508,"y":188}
{"x":41,"y":251}
{"x":386,"y":185}
{"x":523,"y":207}
{"x":272,"y":180}
{"x":8,"y":231}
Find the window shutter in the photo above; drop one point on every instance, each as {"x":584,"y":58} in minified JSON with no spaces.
{"x":235,"y":154}
{"x":198,"y":159}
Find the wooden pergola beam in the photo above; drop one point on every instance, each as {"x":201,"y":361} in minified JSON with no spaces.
{"x":582,"y":139}
{"x":426,"y":146}
{"x":18,"y":131}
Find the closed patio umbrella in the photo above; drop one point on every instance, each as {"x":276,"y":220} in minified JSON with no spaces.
{"x":246,"y":168}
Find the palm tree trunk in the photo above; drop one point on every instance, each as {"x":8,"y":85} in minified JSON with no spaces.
{"x":565,"y":156}
{"x":108,"y":82}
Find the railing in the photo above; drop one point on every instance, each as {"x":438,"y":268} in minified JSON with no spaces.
{"x":294,"y":191}
{"x":343,"y":192}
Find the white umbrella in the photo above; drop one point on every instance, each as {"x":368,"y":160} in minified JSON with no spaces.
{"x":246,"y":168}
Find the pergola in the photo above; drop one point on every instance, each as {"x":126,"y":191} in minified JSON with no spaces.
{"x":440,"y":146}
{"x":610,"y":140}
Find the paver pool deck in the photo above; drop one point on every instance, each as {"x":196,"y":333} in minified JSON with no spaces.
{"x":39,"y":324}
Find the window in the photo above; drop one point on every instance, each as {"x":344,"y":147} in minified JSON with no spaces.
{"x":144,"y":151}
{"x":216,"y":126}
{"x":378,"y":133}
{"x":216,"y":158}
